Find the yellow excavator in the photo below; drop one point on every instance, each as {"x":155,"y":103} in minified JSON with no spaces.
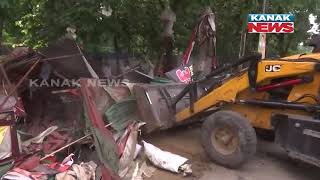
{"x":281,"y":95}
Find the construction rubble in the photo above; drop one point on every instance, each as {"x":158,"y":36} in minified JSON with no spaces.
{"x":59,"y":119}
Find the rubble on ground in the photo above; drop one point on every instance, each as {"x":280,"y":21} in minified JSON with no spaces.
{"x":74,"y":131}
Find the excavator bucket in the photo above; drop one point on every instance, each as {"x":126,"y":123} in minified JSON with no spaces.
{"x":154,"y":104}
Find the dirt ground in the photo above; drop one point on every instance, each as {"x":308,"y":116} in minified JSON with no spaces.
{"x":270,"y":161}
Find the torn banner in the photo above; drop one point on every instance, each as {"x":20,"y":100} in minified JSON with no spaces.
{"x":105,"y":145}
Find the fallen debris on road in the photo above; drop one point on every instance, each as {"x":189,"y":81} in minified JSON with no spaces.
{"x":166,"y":160}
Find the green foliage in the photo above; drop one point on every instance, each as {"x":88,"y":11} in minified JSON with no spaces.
{"x":283,"y":44}
{"x":231,"y":21}
{"x":134,"y":25}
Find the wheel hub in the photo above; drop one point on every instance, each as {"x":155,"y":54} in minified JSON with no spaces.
{"x":225,"y":140}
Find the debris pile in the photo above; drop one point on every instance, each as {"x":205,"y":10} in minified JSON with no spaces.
{"x":80,"y":130}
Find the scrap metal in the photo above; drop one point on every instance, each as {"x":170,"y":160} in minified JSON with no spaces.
{"x":19,"y":83}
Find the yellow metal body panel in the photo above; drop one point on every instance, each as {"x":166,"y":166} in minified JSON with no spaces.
{"x":310,"y":88}
{"x":256,"y":115}
{"x":288,"y":68}
{"x":238,"y":88}
{"x":302,"y":56}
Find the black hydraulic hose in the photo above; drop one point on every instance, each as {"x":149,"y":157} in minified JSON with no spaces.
{"x":242,"y":60}
{"x":282,"y":105}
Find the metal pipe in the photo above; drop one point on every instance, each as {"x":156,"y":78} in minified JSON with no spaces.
{"x":70,"y":144}
{"x":280,"y":84}
{"x":283,"y":105}
{"x":254,"y":57}
{"x":42,"y":60}
{"x":3,"y":71}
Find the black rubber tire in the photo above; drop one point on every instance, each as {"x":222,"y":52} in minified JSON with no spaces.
{"x":247,"y":139}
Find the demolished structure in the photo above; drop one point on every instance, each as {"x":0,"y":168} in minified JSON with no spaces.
{"x":55,"y":125}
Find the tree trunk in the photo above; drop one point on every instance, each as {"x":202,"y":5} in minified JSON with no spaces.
{"x":284,"y":44}
{"x":203,"y":64}
{"x":287,"y":45}
{"x":206,"y":46}
{"x":166,"y":63}
{"x":1,"y":33}
{"x":116,"y":49}
{"x":243,"y":41}
{"x":281,"y":45}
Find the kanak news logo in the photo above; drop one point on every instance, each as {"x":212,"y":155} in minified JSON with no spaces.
{"x":270,"y":23}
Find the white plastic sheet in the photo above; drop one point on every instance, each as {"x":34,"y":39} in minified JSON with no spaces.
{"x":163,"y":159}
{"x":39,"y":139}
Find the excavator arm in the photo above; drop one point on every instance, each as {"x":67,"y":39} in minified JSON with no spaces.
{"x":261,"y":71}
{"x":280,"y":95}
